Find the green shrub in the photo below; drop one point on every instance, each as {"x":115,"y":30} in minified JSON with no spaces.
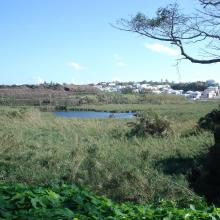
{"x":70,"y":202}
{"x":61,"y":108}
{"x":150,"y":123}
{"x":16,"y":113}
{"x":210,"y":120}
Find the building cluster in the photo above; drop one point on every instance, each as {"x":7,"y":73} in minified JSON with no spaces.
{"x":211,"y":91}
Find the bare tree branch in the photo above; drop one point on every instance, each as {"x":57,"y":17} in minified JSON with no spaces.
{"x":170,"y":25}
{"x":206,"y":3}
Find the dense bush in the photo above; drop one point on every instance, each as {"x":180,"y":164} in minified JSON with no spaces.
{"x":150,"y":123}
{"x":70,"y":202}
{"x":61,"y":108}
{"x":210,"y":120}
{"x":207,"y":178}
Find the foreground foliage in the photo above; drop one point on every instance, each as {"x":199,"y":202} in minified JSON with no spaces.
{"x":211,"y":120}
{"x":71,"y":202}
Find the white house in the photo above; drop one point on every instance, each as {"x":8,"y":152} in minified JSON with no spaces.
{"x":156,"y":91}
{"x":195,"y":95}
{"x":210,"y":92}
{"x":112,"y":84}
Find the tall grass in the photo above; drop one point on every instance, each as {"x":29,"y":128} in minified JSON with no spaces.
{"x":41,"y":149}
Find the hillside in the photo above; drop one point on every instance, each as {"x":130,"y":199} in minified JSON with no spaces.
{"x":42,"y":94}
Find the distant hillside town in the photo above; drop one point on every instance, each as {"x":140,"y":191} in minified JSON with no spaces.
{"x":192,"y":90}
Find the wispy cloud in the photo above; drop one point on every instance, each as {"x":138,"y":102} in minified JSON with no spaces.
{"x":119,"y":61}
{"x":76,"y":66}
{"x":121,"y":64}
{"x":160,"y":48}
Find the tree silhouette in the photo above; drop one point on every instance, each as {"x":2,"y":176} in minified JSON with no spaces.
{"x":201,"y":29}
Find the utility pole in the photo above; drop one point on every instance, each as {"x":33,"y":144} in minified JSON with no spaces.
{"x":178,"y":71}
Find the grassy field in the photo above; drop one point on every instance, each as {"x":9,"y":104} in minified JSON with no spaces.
{"x":59,"y":97}
{"x":38,"y":148}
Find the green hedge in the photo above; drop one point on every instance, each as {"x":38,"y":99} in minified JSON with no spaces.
{"x":70,"y":202}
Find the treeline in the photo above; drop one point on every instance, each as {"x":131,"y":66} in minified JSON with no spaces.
{"x":193,"y":86}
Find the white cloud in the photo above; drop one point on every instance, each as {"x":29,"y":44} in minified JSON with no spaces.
{"x":76,"y":66}
{"x":119,"y":61}
{"x":38,"y":80}
{"x":121,"y":64}
{"x":159,"y":48}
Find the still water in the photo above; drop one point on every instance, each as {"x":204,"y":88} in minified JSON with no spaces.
{"x":92,"y":114}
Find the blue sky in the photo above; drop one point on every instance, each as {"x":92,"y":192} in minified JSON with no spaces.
{"x":72,"y":41}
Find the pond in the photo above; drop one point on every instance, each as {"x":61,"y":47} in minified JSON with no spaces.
{"x":93,"y":114}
